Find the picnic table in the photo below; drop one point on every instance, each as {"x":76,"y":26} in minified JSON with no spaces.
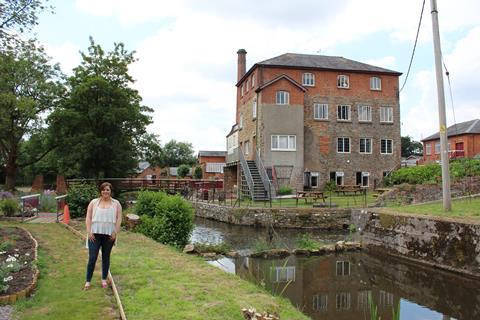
{"x":313,"y":195}
{"x":349,"y":189}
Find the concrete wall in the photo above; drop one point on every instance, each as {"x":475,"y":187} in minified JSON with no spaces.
{"x":309,"y":218}
{"x":441,"y":242}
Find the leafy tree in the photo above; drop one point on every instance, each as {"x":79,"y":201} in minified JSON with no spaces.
{"x":99,"y":122}
{"x":150,"y":149}
{"x":29,"y":87}
{"x":175,"y":153}
{"x":183,"y":170}
{"x":18,"y":16}
{"x":411,"y":147}
{"x":197,"y":172}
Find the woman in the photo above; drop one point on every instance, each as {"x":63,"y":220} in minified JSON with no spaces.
{"x":104,"y":217}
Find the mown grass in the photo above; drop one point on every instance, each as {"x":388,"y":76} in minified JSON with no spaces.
{"x":62,"y":262}
{"x":158,"y":282}
{"x":461,"y":208}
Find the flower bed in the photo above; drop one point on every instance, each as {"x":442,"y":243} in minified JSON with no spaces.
{"x":18,"y":272}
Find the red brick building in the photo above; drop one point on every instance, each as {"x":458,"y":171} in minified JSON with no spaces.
{"x":463,"y":142}
{"x":308,"y":119}
{"x":212,"y":164}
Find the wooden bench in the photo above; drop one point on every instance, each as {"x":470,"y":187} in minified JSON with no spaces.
{"x":349,"y":189}
{"x":312,"y":195}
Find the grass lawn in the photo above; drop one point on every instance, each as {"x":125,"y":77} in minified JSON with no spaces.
{"x":462,"y":208}
{"x":62,"y":262}
{"x":154,"y":282}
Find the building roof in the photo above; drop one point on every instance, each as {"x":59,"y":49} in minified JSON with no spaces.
{"x":283,"y":76}
{"x":203,"y":153}
{"x":467,"y":127}
{"x":315,"y":61}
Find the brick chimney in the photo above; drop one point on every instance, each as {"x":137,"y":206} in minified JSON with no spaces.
{"x":242,"y":63}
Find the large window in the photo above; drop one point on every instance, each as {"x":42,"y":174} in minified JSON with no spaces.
{"x":314,"y":179}
{"x":386,"y":146}
{"x":343,"y":300}
{"x":364,"y":113}
{"x":337,"y":177}
{"x":320,"y":111}
{"x":362,"y":178}
{"x":343,"y":145}
{"x":308,"y":79}
{"x":386,"y":114}
{"x":343,"y":81}
{"x":343,"y":268}
{"x":320,"y":302}
{"x":284,"y":142}
{"x":437,"y":147}
{"x":375,"y":83}
{"x":365,"y":145}
{"x":254,"y":109}
{"x":283,"y":274}
{"x":282,"y":97}
{"x":428,"y":149}
{"x":343,"y":112}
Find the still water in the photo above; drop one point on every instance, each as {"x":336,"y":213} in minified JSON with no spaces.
{"x":338,"y":286}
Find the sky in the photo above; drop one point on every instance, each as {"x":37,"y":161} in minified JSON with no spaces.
{"x":187,"y":62}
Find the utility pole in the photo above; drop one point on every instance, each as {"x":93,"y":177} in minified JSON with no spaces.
{"x":447,"y":201}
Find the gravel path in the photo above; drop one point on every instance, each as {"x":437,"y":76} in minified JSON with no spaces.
{"x":5,"y":312}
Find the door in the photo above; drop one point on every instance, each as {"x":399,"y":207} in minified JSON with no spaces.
{"x":459,"y":150}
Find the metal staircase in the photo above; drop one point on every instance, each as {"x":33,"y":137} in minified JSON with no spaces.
{"x":259,"y":191}
{"x":252,"y":184}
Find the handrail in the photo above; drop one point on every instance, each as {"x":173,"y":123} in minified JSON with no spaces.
{"x":59,"y":200}
{"x":246,"y":171}
{"x":25,"y":199}
{"x":263,"y":174}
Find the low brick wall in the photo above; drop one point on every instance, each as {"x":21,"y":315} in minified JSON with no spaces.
{"x":445,"y":243}
{"x":309,"y":218}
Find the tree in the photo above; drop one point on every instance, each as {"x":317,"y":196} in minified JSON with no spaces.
{"x":175,"y":153}
{"x":29,"y":87}
{"x":183,"y":171}
{"x":197,"y":172}
{"x":98,"y":125}
{"x":18,"y":16}
{"x":150,"y":149}
{"x":411,"y":147}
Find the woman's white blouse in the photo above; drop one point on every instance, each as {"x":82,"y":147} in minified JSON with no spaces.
{"x":104,"y":219}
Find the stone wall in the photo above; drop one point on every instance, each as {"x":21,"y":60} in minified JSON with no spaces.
{"x":309,"y":218}
{"x":441,"y":242}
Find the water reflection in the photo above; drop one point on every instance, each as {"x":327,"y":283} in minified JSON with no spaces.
{"x":338,"y":286}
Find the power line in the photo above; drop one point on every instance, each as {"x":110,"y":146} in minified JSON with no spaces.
{"x":414,"y":46}
{"x":451,"y":95}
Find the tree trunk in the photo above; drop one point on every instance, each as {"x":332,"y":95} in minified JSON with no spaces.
{"x":10,"y":172}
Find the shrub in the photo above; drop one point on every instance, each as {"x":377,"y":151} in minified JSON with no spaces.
{"x":172,"y":219}
{"x":147,"y":201}
{"x":284,"y":190}
{"x":47,"y":202}
{"x":183,"y":170}
{"x":9,"y":207}
{"x":5,"y":195}
{"x":306,"y":242}
{"x":197,"y":172}
{"x":79,"y":197}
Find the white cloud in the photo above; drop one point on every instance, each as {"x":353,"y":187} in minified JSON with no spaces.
{"x":66,"y":54}
{"x":388,"y":62}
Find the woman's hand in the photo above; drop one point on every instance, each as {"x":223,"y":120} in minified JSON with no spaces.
{"x":91,"y":236}
{"x":113,"y":236}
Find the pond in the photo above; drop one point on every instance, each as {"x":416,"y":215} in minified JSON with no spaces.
{"x":337,"y":286}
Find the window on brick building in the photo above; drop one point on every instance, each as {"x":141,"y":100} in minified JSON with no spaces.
{"x":386,"y":146}
{"x":437,"y":147}
{"x":282,"y":97}
{"x":375,"y":83}
{"x":240,"y":122}
{"x":248,"y":85}
{"x":284,"y":142}
{"x":364,"y":113}
{"x":337,"y":177}
{"x":254,"y":109}
{"x":320,"y":111}
{"x":343,"y":145}
{"x":343,"y":112}
{"x":242,"y":90}
{"x":428,"y":149}
{"x":365,"y":145}
{"x":308,"y":79}
{"x":246,"y":147}
{"x":253,"y":80}
{"x":314,"y":179}
{"x":343,"y":81}
{"x":386,"y":114}
{"x":362,"y":178}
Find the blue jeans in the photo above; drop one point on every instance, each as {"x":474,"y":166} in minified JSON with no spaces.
{"x":101,"y":241}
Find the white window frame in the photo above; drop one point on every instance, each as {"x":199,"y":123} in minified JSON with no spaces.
{"x":343,"y":300}
{"x":242,"y":89}
{"x":282,"y":97}
{"x":240,"y":122}
{"x":343,"y":81}
{"x":319,"y":110}
{"x":428,"y":149}
{"x":246,"y":147}
{"x":320,"y":302}
{"x":342,"y":143}
{"x":343,"y":107}
{"x":365,"y":151}
{"x":314,"y":175}
{"x":291,"y":142}
{"x":340,"y":268}
{"x":254,"y":109}
{"x":284,"y":274}
{"x":308,"y":79}
{"x":385,"y":141}
{"x":376,"y":83}
{"x":364,"y":113}
{"x":386,"y":114}
{"x":247,"y":87}
{"x":437,"y":148}
{"x":253,"y":80}
{"x":365,"y":175}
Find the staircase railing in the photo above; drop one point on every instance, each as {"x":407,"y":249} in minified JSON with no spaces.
{"x":263,"y":174}
{"x":246,"y":172}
